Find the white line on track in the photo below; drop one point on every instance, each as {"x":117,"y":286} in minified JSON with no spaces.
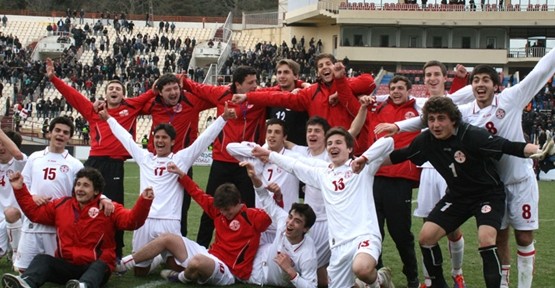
{"x":153,"y":284}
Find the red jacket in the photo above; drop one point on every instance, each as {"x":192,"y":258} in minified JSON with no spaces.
{"x":250,"y":124}
{"x":103,"y":142}
{"x":236,"y":241}
{"x":387,"y":112}
{"x":315,"y":100}
{"x":84,"y":235}
{"x":184,"y":117}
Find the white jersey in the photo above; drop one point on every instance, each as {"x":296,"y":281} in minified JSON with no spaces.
{"x":303,"y":254}
{"x":348,"y":196}
{"x":312,"y":195}
{"x":271,"y":173}
{"x":8,"y":198}
{"x":153,"y":169}
{"x":504,"y":117}
{"x":49,"y":174}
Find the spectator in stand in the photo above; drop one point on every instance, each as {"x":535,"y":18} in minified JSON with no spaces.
{"x":4,"y":21}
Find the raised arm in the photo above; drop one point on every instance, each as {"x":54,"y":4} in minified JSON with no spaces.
{"x":10,"y":146}
{"x":123,"y":136}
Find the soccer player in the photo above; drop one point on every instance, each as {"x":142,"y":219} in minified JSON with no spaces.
{"x":165,"y":214}
{"x":107,"y":154}
{"x":49,"y":174}
{"x":354,"y":235}
{"x":290,"y":260}
{"x":463,"y":155}
{"x":230,"y":257}
{"x":11,"y":160}
{"x":85,"y":254}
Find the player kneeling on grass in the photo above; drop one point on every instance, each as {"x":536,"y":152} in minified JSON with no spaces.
{"x":85,"y":256}
{"x":230,"y":257}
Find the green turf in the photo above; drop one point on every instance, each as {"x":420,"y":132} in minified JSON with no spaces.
{"x":545,"y":257}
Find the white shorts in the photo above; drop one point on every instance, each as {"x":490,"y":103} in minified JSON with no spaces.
{"x":340,"y":272}
{"x":260,"y":271}
{"x":319,"y":233}
{"x":32,"y":244}
{"x":3,"y":238}
{"x":221,"y":276}
{"x":522,"y":205}
{"x":432,"y":188}
{"x":150,"y":230}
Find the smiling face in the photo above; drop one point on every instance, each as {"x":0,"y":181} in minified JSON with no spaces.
{"x":84,"y":191}
{"x":325,"y":69}
{"x":59,"y":136}
{"x":316,"y":138}
{"x":338,"y":151}
{"x":163,"y":143}
{"x":398,"y":92}
{"x":434,"y":79}
{"x":170,"y":93}
{"x":275,"y":137}
{"x":483,"y":88}
{"x":295,"y":227}
{"x":440,"y":125}
{"x":286,"y":78}
{"x":114,"y":94}
{"x":248,"y":85}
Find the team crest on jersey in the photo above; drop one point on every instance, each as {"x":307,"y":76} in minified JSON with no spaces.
{"x":93,"y":212}
{"x":234,"y":225}
{"x":459,"y":156}
{"x":124,"y":112}
{"x":9,"y":172}
{"x":178,"y":108}
{"x":486,"y":209}
{"x":409,"y":115}
{"x":500,"y":113}
{"x":64,"y":168}
{"x":348,"y":174}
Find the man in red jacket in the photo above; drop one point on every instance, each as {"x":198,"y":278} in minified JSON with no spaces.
{"x":316,"y":98}
{"x":393,"y":184}
{"x":85,"y":234}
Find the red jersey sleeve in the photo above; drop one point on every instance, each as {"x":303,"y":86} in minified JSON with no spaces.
{"x":346,"y":96}
{"x":207,"y":92}
{"x":458,"y":83}
{"x":44,"y":214}
{"x":131,"y":219}
{"x":205,"y":201}
{"x":81,"y":103}
{"x":362,"y":85}
{"x":297,"y":102}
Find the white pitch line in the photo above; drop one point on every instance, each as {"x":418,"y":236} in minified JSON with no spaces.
{"x":153,"y":284}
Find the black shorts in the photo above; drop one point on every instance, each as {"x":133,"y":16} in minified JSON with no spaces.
{"x":112,"y":171}
{"x":451,"y":212}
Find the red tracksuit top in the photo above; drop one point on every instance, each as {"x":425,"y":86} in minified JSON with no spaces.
{"x":236,"y":241}
{"x":250,"y":124}
{"x":84,"y":235}
{"x":102,"y":140}
{"x":387,"y":112}
{"x":315,"y":101}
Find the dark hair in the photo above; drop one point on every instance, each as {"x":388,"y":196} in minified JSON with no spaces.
{"x":486,"y":69}
{"x":240,"y":74}
{"x":165,"y":80}
{"x":62,"y":120}
{"x":440,"y":105}
{"x":226,"y":195}
{"x":15,"y":137}
{"x":349,"y":140}
{"x":295,"y":67}
{"x":306,"y":211}
{"x":166,"y":127}
{"x":398,"y":78}
{"x":276,"y":121}
{"x":116,"y":82}
{"x":94,"y":176}
{"x":432,"y":63}
{"x":317,"y":120}
{"x":322,"y":56}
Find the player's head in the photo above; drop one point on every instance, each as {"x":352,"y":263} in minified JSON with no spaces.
{"x":244,"y":79}
{"x":435,"y":76}
{"x":87,"y":185}
{"x":399,"y":89}
{"x":485,"y":81}
{"x":6,"y":156}
{"x":164,"y":139}
{"x":324,"y":64}
{"x":227,"y":199}
{"x":300,"y":220}
{"x":316,"y":129}
{"x":442,"y":116}
{"x":115,"y":91}
{"x":170,"y":90}
{"x":276,"y":134}
{"x":287,"y":72}
{"x":339,"y":144}
{"x":60,"y":130}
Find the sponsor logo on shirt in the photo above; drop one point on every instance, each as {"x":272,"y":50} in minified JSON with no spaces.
{"x":459,"y":156}
{"x":93,"y":212}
